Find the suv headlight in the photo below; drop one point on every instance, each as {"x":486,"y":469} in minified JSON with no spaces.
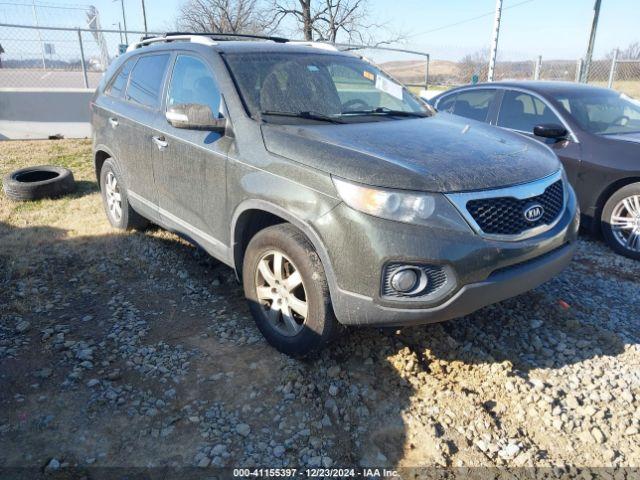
{"x":399,"y":205}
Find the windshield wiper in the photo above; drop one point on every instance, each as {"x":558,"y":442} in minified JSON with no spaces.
{"x":386,"y":111}
{"x":308,"y":115}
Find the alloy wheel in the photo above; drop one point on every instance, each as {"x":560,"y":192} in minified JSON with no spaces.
{"x":113,"y":197}
{"x":625,"y":222}
{"x":281,"y":293}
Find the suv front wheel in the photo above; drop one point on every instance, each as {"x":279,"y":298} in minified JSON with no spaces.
{"x":287,"y":290}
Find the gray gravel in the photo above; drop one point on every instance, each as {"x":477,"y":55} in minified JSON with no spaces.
{"x":164,"y":366}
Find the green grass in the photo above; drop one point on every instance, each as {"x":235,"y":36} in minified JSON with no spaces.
{"x":72,"y":154}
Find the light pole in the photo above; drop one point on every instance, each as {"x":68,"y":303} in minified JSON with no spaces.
{"x":35,"y":17}
{"x":592,"y":40}
{"x":124,"y":20}
{"x":144,"y":17}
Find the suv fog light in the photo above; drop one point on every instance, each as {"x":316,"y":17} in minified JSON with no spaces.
{"x":405,"y":280}
{"x":416,"y":282}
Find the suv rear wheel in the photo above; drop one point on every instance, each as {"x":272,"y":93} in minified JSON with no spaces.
{"x":287,"y":290}
{"x":621,"y":221}
{"x":115,"y":200}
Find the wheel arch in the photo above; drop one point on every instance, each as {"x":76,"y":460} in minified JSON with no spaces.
{"x":100,"y":155}
{"x":611,"y":189}
{"x":244,"y":227}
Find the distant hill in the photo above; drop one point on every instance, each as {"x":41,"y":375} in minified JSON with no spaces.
{"x":446,"y":72}
{"x":412,"y":71}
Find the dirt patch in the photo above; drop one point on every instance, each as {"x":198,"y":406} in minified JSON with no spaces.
{"x":137,"y":349}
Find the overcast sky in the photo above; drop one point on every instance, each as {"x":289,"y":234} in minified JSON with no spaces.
{"x":447,"y":29}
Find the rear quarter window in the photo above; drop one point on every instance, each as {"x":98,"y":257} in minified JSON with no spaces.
{"x":446,"y":103}
{"x":474,"y":104}
{"x":118,"y":82}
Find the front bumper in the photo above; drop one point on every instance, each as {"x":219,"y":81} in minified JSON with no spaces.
{"x":354,"y":309}
{"x":486,"y":271}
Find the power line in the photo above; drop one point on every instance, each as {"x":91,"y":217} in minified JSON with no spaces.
{"x":41,"y":5}
{"x":461,"y":22}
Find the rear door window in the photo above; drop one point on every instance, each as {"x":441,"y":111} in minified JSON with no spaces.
{"x":474,"y":104}
{"x":145,"y":84}
{"x":521,"y":111}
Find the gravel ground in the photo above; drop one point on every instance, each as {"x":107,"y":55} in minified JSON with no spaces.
{"x":138,"y":350}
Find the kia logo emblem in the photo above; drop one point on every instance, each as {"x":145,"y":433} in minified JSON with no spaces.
{"x":534,"y":212}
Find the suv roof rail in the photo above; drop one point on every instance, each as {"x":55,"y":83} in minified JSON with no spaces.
{"x":170,"y":38}
{"x":320,"y":45}
{"x":205,"y":38}
{"x":223,"y":35}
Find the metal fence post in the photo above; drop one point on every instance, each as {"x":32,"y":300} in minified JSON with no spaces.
{"x":426,"y":73}
{"x":536,"y":73}
{"x":82,"y":62}
{"x":612,"y":72}
{"x":578,"y":70}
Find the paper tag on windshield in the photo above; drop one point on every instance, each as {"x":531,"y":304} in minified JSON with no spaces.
{"x":387,"y":86}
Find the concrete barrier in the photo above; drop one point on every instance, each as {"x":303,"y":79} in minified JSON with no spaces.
{"x":28,"y":113}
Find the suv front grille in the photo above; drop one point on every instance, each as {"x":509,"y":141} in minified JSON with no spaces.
{"x":505,"y":215}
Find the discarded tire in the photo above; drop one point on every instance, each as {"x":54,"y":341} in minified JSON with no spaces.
{"x":33,"y":183}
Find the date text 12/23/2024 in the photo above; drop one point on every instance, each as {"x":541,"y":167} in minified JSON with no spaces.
{"x":372,"y":473}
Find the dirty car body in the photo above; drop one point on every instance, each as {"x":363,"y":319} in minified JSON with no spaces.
{"x":375,"y":181}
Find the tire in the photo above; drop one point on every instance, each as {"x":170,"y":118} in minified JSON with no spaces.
{"x":34,"y":183}
{"x":124,"y":217}
{"x":319,"y":326}
{"x":623,"y":210}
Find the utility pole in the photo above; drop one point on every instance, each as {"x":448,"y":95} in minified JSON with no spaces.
{"x":144,"y":17}
{"x":494,"y":40}
{"x":592,"y":40}
{"x":124,"y":20}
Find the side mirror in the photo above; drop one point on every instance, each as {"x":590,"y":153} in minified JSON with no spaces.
{"x":194,"y":116}
{"x":550,"y":130}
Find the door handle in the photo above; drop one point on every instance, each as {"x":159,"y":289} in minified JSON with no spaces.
{"x":160,"y":142}
{"x":113,"y":121}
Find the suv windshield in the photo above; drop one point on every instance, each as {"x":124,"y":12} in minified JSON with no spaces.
{"x":295,"y":87}
{"x":603,"y":113}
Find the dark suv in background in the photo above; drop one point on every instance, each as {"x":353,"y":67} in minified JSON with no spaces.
{"x":595,"y":131}
{"x":337,"y":196}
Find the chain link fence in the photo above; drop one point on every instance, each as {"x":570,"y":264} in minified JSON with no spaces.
{"x":625,"y":77}
{"x":57,"y":57}
{"x":53,"y":57}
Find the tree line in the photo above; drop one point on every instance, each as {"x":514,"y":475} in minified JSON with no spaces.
{"x":314,"y":20}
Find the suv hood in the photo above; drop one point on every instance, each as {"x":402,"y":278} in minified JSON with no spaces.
{"x":441,"y":153}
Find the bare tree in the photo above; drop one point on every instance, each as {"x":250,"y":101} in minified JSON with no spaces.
{"x":305,"y":12}
{"x":224,"y":16}
{"x":632,"y":52}
{"x":473,"y":64}
{"x":329,"y":19}
{"x":347,"y":16}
